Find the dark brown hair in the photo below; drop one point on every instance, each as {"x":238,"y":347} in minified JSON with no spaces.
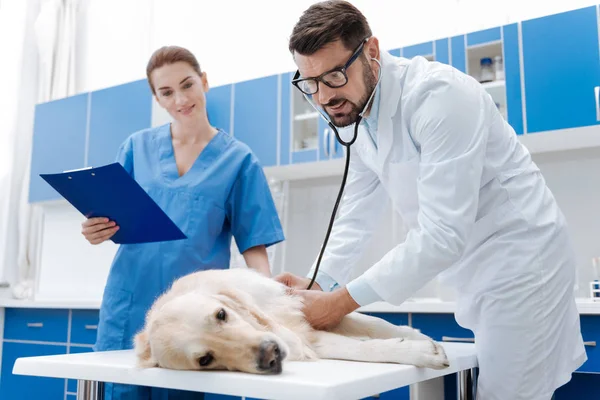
{"x":170,"y":55}
{"x":326,"y":22}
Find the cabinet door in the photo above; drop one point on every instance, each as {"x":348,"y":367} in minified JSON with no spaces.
{"x":218,"y":107}
{"x":562,"y":68}
{"x":458,"y":55}
{"x":116,"y":113}
{"x":590,"y":331}
{"x":255,"y":117}
{"x":421,"y":49}
{"x":29,"y":387}
{"x":59,"y":135}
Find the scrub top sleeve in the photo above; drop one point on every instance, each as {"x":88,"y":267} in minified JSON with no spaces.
{"x":125,"y":156}
{"x":449,"y":118}
{"x":251,"y":209}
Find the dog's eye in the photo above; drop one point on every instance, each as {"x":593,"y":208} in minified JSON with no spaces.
{"x":221,"y":315}
{"x":204,"y":361}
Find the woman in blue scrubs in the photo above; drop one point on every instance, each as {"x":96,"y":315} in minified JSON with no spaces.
{"x":211,"y":185}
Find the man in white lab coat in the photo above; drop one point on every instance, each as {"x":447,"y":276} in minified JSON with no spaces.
{"x":478,"y":210}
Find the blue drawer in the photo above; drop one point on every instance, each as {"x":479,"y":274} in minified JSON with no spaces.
{"x":394,"y":318}
{"x":441,"y":327}
{"x":590,"y":331}
{"x":84,"y":326}
{"x":45,"y":325}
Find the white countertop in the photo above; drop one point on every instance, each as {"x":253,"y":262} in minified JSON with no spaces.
{"x":323,"y":379}
{"x":420,"y":305}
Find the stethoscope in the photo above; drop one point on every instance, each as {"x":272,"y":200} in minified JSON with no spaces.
{"x":346,"y":144}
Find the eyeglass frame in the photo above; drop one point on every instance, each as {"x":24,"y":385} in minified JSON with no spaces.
{"x":296,"y":79}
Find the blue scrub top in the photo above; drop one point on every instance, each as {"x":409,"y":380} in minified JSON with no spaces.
{"x":224,"y":194}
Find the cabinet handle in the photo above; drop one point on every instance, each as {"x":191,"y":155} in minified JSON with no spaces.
{"x":455,"y":339}
{"x":591,"y":343}
{"x":597,"y":96}
{"x":91,"y":327}
{"x":326,"y":142}
{"x":35,"y":325}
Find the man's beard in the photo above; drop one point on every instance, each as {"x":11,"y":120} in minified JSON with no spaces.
{"x":342,"y":120}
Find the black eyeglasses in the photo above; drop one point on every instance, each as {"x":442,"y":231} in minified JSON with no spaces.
{"x":334,"y":78}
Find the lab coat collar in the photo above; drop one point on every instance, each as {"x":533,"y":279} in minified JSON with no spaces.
{"x":391,"y":91}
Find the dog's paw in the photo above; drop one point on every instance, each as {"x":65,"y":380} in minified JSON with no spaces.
{"x":434,"y":356}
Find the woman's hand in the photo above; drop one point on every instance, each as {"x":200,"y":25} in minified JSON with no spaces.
{"x":97,"y":230}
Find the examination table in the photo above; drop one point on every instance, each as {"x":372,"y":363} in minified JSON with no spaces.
{"x":318,"y":380}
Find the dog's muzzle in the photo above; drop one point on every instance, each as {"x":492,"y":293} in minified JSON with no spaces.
{"x":270,"y":357}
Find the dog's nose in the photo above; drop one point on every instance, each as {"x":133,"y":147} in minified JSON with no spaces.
{"x":269,"y":357}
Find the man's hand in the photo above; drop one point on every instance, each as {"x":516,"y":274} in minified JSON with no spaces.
{"x":296,"y":282}
{"x":325,"y":310}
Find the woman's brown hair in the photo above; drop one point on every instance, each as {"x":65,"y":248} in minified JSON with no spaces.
{"x":169,"y":55}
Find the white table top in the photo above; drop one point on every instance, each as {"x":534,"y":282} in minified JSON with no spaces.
{"x":323,"y":379}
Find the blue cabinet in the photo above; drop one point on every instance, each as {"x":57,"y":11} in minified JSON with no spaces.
{"x":421,"y":49}
{"x":590,"y":331}
{"x":255,"y":117}
{"x":29,"y":387}
{"x":116,"y":113}
{"x":561,"y":65}
{"x":30,"y":332}
{"x":218,"y":107}
{"x":440,"y":326}
{"x":59,"y":136}
{"x":458,"y":55}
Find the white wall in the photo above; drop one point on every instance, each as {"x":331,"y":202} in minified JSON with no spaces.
{"x":234,"y":40}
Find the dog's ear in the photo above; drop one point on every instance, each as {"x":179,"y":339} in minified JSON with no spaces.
{"x":241,"y":302}
{"x":143,"y":350}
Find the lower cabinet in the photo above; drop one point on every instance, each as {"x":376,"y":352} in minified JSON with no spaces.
{"x":29,"y":387}
{"x":30,"y":332}
{"x":38,"y":332}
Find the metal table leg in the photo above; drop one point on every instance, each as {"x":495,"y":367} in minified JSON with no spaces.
{"x":467,"y":384}
{"x":90,"y":390}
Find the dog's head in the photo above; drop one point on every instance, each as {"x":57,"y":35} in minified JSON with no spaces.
{"x":195,"y":331}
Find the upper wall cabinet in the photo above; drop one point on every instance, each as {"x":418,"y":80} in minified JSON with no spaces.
{"x":545,"y":77}
{"x":218,"y":107}
{"x":256,"y":117}
{"x":116,"y":113}
{"x":562,"y":70}
{"x":59,"y":141}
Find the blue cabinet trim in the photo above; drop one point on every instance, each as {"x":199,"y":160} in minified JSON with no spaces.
{"x":459,"y":61}
{"x":484,"y":36}
{"x":421,"y":49}
{"x":442,"y":51}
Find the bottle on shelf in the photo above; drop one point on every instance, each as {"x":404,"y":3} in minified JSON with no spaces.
{"x":487,"y":73}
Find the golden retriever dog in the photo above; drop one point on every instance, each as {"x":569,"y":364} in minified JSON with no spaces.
{"x":240,"y":320}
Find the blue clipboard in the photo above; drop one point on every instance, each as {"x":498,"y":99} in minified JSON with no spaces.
{"x":109,"y":191}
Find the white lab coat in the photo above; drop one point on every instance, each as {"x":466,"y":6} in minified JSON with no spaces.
{"x":479,"y":215}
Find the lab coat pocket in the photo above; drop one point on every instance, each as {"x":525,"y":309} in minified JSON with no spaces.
{"x":402,"y":178}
